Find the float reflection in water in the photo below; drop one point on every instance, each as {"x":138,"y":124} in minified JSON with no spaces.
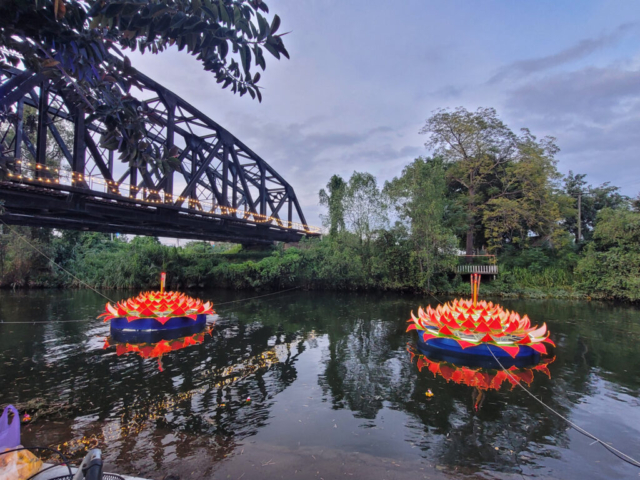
{"x":472,"y":329}
{"x":479,"y":378}
{"x":157,"y":343}
{"x":158,"y":310}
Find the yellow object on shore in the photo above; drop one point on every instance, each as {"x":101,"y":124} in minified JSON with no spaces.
{"x":19,"y":465}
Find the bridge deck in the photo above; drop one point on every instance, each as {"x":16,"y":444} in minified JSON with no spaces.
{"x":74,"y":208}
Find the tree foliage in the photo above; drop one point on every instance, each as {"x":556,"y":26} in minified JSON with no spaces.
{"x":611,"y":264}
{"x":593,"y":200}
{"x":333,"y":198}
{"x":419,"y":198}
{"x":506,"y":182}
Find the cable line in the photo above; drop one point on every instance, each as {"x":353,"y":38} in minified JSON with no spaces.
{"x":54,"y":263}
{"x":613,"y":450}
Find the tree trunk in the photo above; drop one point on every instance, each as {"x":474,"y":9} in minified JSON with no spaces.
{"x":469,"y":251}
{"x":470,"y":227}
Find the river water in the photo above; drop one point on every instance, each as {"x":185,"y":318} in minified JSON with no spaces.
{"x":312,"y":385}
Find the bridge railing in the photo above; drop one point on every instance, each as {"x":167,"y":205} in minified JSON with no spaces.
{"x":478,"y":264}
{"x":32,"y":173}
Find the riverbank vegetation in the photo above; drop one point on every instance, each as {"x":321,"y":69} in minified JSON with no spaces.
{"x":486,"y":195}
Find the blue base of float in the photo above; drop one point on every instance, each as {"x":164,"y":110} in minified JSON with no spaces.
{"x":152,"y":325}
{"x":479,"y":356}
{"x":155,"y":336}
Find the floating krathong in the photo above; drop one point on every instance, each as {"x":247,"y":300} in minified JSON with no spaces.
{"x":157,"y":311}
{"x":469,"y":327}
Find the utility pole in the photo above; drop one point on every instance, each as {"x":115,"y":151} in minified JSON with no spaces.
{"x":579,"y":217}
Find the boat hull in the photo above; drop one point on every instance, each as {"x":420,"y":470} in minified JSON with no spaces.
{"x":483,"y":355}
{"x":151,"y":324}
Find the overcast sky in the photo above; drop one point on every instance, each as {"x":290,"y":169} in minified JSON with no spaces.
{"x":365,"y":75}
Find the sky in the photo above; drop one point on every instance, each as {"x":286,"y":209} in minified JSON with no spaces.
{"x":365,"y":75}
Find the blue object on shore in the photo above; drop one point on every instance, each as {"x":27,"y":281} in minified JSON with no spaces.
{"x":478,"y":356}
{"x":152,"y":324}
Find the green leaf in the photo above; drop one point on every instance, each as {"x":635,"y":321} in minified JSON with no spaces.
{"x":223,"y":49}
{"x":246,"y":59}
{"x":224,"y":15}
{"x":275,"y":24}
{"x":263,"y":25}
{"x":272,"y":49}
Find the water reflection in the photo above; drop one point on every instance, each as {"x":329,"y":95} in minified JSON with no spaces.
{"x":156,"y":344}
{"x":325,"y":372}
{"x":478,"y":378}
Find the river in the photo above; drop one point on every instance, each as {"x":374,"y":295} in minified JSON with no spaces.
{"x":312,"y":385}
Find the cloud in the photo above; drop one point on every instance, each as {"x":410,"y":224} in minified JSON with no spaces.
{"x":576,"y":52}
{"x":595,"y":115}
{"x":598,"y":95}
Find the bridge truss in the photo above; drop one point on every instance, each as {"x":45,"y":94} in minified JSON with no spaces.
{"x":54,"y":172}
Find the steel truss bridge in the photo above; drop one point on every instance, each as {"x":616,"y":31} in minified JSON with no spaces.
{"x":222,"y":191}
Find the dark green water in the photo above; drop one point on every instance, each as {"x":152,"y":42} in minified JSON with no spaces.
{"x":334,"y":392}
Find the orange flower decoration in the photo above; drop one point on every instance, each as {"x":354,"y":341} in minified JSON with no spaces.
{"x":483,"y":323}
{"x":158,"y":305}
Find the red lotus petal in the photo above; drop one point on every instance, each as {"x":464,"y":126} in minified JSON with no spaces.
{"x":495,"y":324}
{"x":464,"y":344}
{"x":483,"y":328}
{"x":469,"y":324}
{"x":487,"y":338}
{"x":446,"y":371}
{"x":525,"y":375}
{"x":513,"y":351}
{"x":544,"y":369}
{"x":189,"y":341}
{"x":539,"y":347}
{"x":457,"y":376}
{"x":434,"y":367}
{"x":411,"y":327}
{"x":444,"y":330}
{"x":146,"y":350}
{"x":146,"y":312}
{"x":427,"y":336}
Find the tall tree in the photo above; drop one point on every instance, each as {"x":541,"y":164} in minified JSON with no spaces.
{"x":525,"y":201}
{"x":476,"y":144}
{"x":332,"y":198}
{"x":419,"y":198}
{"x":365,"y":211}
{"x":76,"y":44}
{"x":592,"y":200}
{"x":505,"y":181}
